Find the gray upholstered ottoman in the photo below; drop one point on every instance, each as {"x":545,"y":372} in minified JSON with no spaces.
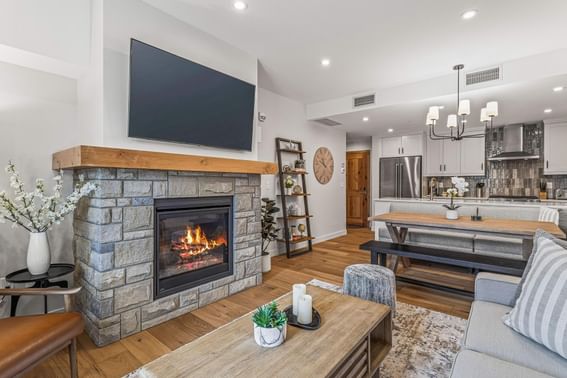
{"x":371,"y":282}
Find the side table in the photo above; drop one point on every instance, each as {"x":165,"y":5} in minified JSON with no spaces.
{"x":23,"y":276}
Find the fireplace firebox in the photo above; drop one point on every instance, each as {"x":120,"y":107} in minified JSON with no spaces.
{"x":193,"y":242}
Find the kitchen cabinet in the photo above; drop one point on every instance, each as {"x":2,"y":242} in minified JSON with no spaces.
{"x":455,"y":158}
{"x":555,"y":154}
{"x":434,"y":158}
{"x":407,"y":145}
{"x":473,"y":156}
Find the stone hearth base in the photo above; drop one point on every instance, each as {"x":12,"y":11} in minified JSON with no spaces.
{"x":113,"y":245}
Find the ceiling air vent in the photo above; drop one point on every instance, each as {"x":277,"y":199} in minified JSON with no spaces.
{"x":328,"y":122}
{"x":483,"y":76}
{"x":364,"y":100}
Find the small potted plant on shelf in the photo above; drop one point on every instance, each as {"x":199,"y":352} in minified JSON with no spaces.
{"x":269,"y":231}
{"x":37,"y":212}
{"x":460,"y":187}
{"x":289,"y":183}
{"x":270,"y":326}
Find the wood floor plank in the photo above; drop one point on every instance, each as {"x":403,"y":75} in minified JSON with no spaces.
{"x":326,"y":262}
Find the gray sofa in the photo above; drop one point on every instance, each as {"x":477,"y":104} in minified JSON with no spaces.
{"x":490,"y":348}
{"x":463,"y":242}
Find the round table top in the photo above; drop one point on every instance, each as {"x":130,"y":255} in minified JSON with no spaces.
{"x":55,"y":270}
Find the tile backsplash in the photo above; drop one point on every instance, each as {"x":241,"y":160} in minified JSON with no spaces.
{"x":512,"y":177}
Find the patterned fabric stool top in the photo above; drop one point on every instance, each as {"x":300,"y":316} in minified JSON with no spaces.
{"x":371,"y":282}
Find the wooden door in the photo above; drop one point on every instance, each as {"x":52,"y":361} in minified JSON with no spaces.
{"x":358,"y":173}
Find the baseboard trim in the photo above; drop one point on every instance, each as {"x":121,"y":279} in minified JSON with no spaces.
{"x":332,"y":235}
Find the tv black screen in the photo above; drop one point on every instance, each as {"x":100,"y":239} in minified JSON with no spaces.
{"x":175,"y":99}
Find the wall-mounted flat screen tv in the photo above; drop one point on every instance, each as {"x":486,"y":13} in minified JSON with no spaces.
{"x":177,"y":100}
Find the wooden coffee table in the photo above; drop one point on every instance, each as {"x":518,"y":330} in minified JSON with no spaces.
{"x":354,"y":338}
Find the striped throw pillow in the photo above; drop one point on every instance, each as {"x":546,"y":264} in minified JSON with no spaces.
{"x":540,"y":312}
{"x":548,"y":214}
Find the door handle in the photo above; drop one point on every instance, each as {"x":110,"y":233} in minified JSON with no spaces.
{"x":398,"y":151}
{"x":402,"y":150}
{"x":440,"y":167}
{"x":482,"y":166}
{"x":445,"y":167}
{"x":547,"y":164}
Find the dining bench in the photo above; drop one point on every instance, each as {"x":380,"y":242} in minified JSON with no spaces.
{"x":379,"y":250}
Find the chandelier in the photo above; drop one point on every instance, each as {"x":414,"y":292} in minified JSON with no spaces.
{"x":456,"y":122}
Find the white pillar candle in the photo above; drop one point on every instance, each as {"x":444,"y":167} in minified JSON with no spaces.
{"x":299,"y":291}
{"x":305,"y":309}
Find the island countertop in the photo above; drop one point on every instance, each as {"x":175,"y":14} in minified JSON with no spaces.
{"x":475,"y":201}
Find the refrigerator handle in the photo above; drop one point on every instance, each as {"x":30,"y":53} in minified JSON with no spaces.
{"x":397,"y":180}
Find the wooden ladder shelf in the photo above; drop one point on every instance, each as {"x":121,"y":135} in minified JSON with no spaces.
{"x":283,"y":145}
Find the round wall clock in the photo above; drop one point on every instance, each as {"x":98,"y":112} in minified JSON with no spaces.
{"x":323,"y":165}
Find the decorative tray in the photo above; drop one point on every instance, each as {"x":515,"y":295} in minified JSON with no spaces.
{"x":292,"y":320}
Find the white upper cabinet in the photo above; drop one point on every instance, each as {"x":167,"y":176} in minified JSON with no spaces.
{"x":455,"y":158}
{"x":555,"y":153}
{"x":434,"y":158}
{"x":412,"y":145}
{"x":407,"y":145}
{"x":473,"y":156}
{"x":391,"y":147}
{"x":451,"y":158}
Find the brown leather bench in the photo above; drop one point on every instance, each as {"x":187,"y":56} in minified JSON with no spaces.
{"x":26,"y":341}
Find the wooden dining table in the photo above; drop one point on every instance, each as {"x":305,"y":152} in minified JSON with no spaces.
{"x":398,"y":224}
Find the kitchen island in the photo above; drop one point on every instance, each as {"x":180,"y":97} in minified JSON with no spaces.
{"x":466,"y":242}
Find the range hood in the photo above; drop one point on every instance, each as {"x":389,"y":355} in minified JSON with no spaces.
{"x":513,"y":148}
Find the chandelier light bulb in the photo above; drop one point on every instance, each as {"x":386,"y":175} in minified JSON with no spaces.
{"x":484,"y":115}
{"x":434,"y":113}
{"x":464,"y":107}
{"x":492,"y":109}
{"x":452,"y":121}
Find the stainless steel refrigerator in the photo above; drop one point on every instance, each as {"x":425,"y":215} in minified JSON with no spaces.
{"x":400,"y":177}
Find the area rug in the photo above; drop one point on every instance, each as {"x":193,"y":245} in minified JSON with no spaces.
{"x":425,"y":342}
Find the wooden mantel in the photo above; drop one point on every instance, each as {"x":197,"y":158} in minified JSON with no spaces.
{"x":106,"y":157}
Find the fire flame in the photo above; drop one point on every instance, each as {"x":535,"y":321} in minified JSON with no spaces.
{"x":195,"y":242}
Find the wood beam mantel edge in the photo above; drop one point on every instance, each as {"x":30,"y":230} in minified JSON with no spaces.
{"x":107,"y":157}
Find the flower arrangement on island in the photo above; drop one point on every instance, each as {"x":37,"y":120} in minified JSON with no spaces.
{"x":37,"y":212}
{"x":460,"y":187}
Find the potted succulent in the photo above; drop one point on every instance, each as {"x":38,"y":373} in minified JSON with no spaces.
{"x":37,"y":212}
{"x":270,"y":326}
{"x":460,"y":187}
{"x":269,"y":231}
{"x":289,"y":183}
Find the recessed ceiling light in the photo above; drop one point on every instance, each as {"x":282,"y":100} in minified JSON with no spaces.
{"x":240,"y":5}
{"x":467,"y":15}
{"x":325,"y":62}
{"x":365,"y":119}
{"x":548,"y":110}
{"x":558,"y":89}
{"x":390,"y":130}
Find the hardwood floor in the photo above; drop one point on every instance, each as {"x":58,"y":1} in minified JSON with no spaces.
{"x":327,"y":263}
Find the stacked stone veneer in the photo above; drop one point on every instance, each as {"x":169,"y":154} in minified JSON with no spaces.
{"x":113,"y":245}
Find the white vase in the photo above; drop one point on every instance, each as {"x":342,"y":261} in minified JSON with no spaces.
{"x":39,"y":256}
{"x":452,"y":214}
{"x":266,"y":263}
{"x":270,"y":337}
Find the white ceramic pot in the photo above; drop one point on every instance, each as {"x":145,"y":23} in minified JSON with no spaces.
{"x":270,"y":337}
{"x":266,"y":263}
{"x":39,"y":256}
{"x":452,"y":214}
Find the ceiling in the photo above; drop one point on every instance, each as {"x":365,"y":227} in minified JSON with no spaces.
{"x":518,"y":103}
{"x":373,"y":43}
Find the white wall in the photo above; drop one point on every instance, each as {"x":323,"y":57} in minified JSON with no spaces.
{"x":359,"y":144}
{"x":37,"y":117}
{"x":286,"y":118}
{"x":127,"y":19}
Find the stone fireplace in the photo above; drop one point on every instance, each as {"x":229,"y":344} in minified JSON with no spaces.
{"x":151,"y":245}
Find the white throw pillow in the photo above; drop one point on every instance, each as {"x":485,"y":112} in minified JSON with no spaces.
{"x":540,"y":312}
